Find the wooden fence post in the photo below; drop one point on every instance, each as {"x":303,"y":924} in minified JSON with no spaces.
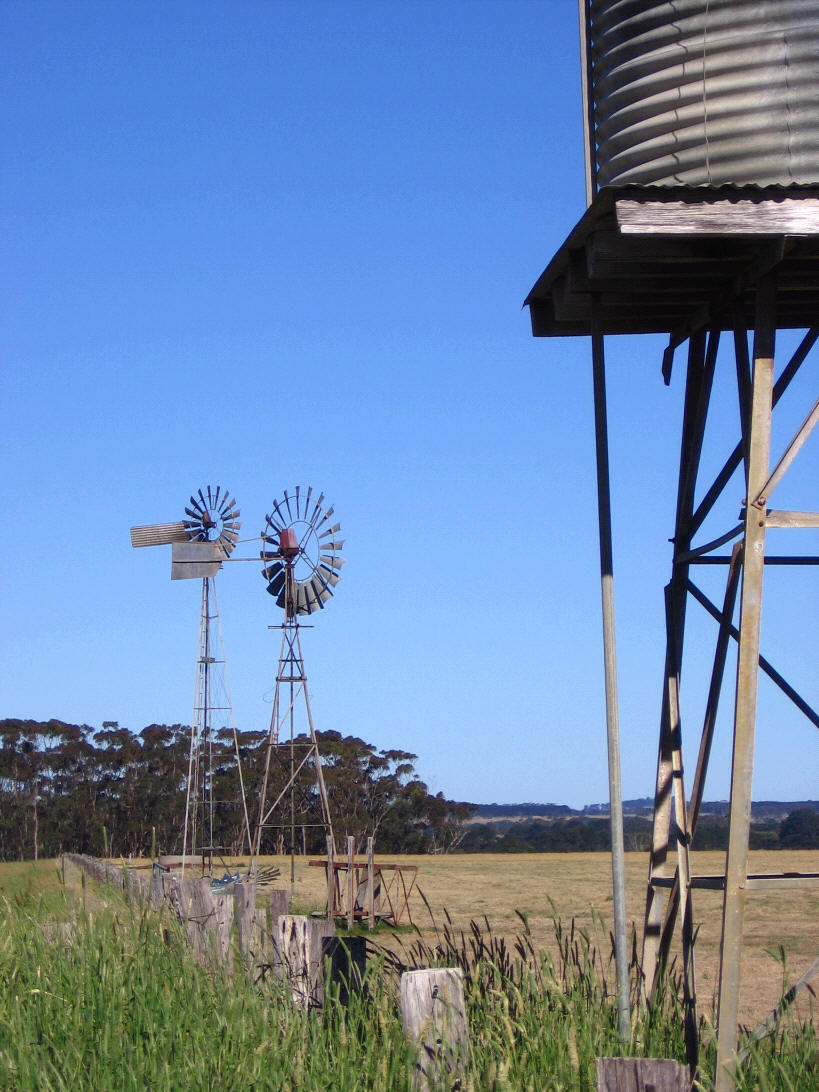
{"x":642,"y":1075}
{"x":223,"y":906}
{"x":370,"y":884}
{"x":433,"y":1012}
{"x":350,"y":883}
{"x":331,"y":879}
{"x":244,"y":895}
{"x":278,"y":906}
{"x":299,"y":943}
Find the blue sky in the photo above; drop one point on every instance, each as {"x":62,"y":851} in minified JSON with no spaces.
{"x":269,"y":244}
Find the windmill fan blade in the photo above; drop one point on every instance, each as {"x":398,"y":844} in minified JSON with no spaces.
{"x":329,"y":559}
{"x":325,"y":517}
{"x":276,"y":587}
{"x":308,"y":596}
{"x":321,"y":586}
{"x":202,"y":498}
{"x":330,"y":530}
{"x":216,"y":497}
{"x":287,"y":503}
{"x":317,"y":508}
{"x":298,"y":509}
{"x":210,"y":499}
{"x":196,"y":505}
{"x":331,"y":579}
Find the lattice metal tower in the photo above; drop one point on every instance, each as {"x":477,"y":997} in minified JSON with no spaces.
{"x":200,"y":544}
{"x":301,"y":566}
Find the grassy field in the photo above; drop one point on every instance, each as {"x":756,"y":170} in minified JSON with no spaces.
{"x":495,"y":886}
{"x":122,"y":1005}
{"x":498,"y":886}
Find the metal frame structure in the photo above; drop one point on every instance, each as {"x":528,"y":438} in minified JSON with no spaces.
{"x":693,"y":263}
{"x":291,"y":685}
{"x":199,"y":546}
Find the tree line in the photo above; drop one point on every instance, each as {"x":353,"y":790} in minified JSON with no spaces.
{"x":113,"y":792}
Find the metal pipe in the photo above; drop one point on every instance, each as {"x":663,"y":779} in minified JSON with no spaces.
{"x":610,"y":669}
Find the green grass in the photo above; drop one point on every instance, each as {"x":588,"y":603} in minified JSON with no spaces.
{"x":123,"y":1006}
{"x":35,"y":884}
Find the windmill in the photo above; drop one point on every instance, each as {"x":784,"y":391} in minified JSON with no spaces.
{"x":301,"y":566}
{"x":199,"y":546}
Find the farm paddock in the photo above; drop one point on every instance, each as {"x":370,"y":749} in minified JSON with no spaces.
{"x":467,"y":886}
{"x":496,"y":886}
{"x":470,"y":887}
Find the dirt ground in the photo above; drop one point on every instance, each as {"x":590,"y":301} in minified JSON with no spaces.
{"x":471,"y":886}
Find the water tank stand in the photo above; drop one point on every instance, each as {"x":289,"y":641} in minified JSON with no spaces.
{"x":693,"y":263}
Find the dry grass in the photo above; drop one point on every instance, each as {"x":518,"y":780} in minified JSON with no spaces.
{"x":495,"y":886}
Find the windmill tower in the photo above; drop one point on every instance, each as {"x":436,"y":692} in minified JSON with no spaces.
{"x":301,"y":566}
{"x":199,"y":546}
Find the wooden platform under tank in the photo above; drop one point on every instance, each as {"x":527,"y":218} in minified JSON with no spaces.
{"x":676,"y":259}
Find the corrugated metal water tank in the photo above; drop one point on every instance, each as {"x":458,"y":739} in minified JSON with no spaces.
{"x":705,"y":92}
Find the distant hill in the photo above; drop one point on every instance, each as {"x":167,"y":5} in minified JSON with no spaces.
{"x":528,"y":811}
{"x":760,"y":809}
{"x":557,"y":828}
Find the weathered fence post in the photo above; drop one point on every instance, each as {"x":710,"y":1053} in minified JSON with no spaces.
{"x":299,"y":943}
{"x":244,"y":895}
{"x":642,"y":1075}
{"x":207,"y":919}
{"x":331,"y":879}
{"x":223,"y":907}
{"x":370,"y":884}
{"x":350,"y":883}
{"x":278,"y":909}
{"x":157,"y":885}
{"x":433,"y":1012}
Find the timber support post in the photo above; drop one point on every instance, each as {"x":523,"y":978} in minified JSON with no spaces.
{"x":639,"y":1074}
{"x":300,"y":944}
{"x":433,"y":1013}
